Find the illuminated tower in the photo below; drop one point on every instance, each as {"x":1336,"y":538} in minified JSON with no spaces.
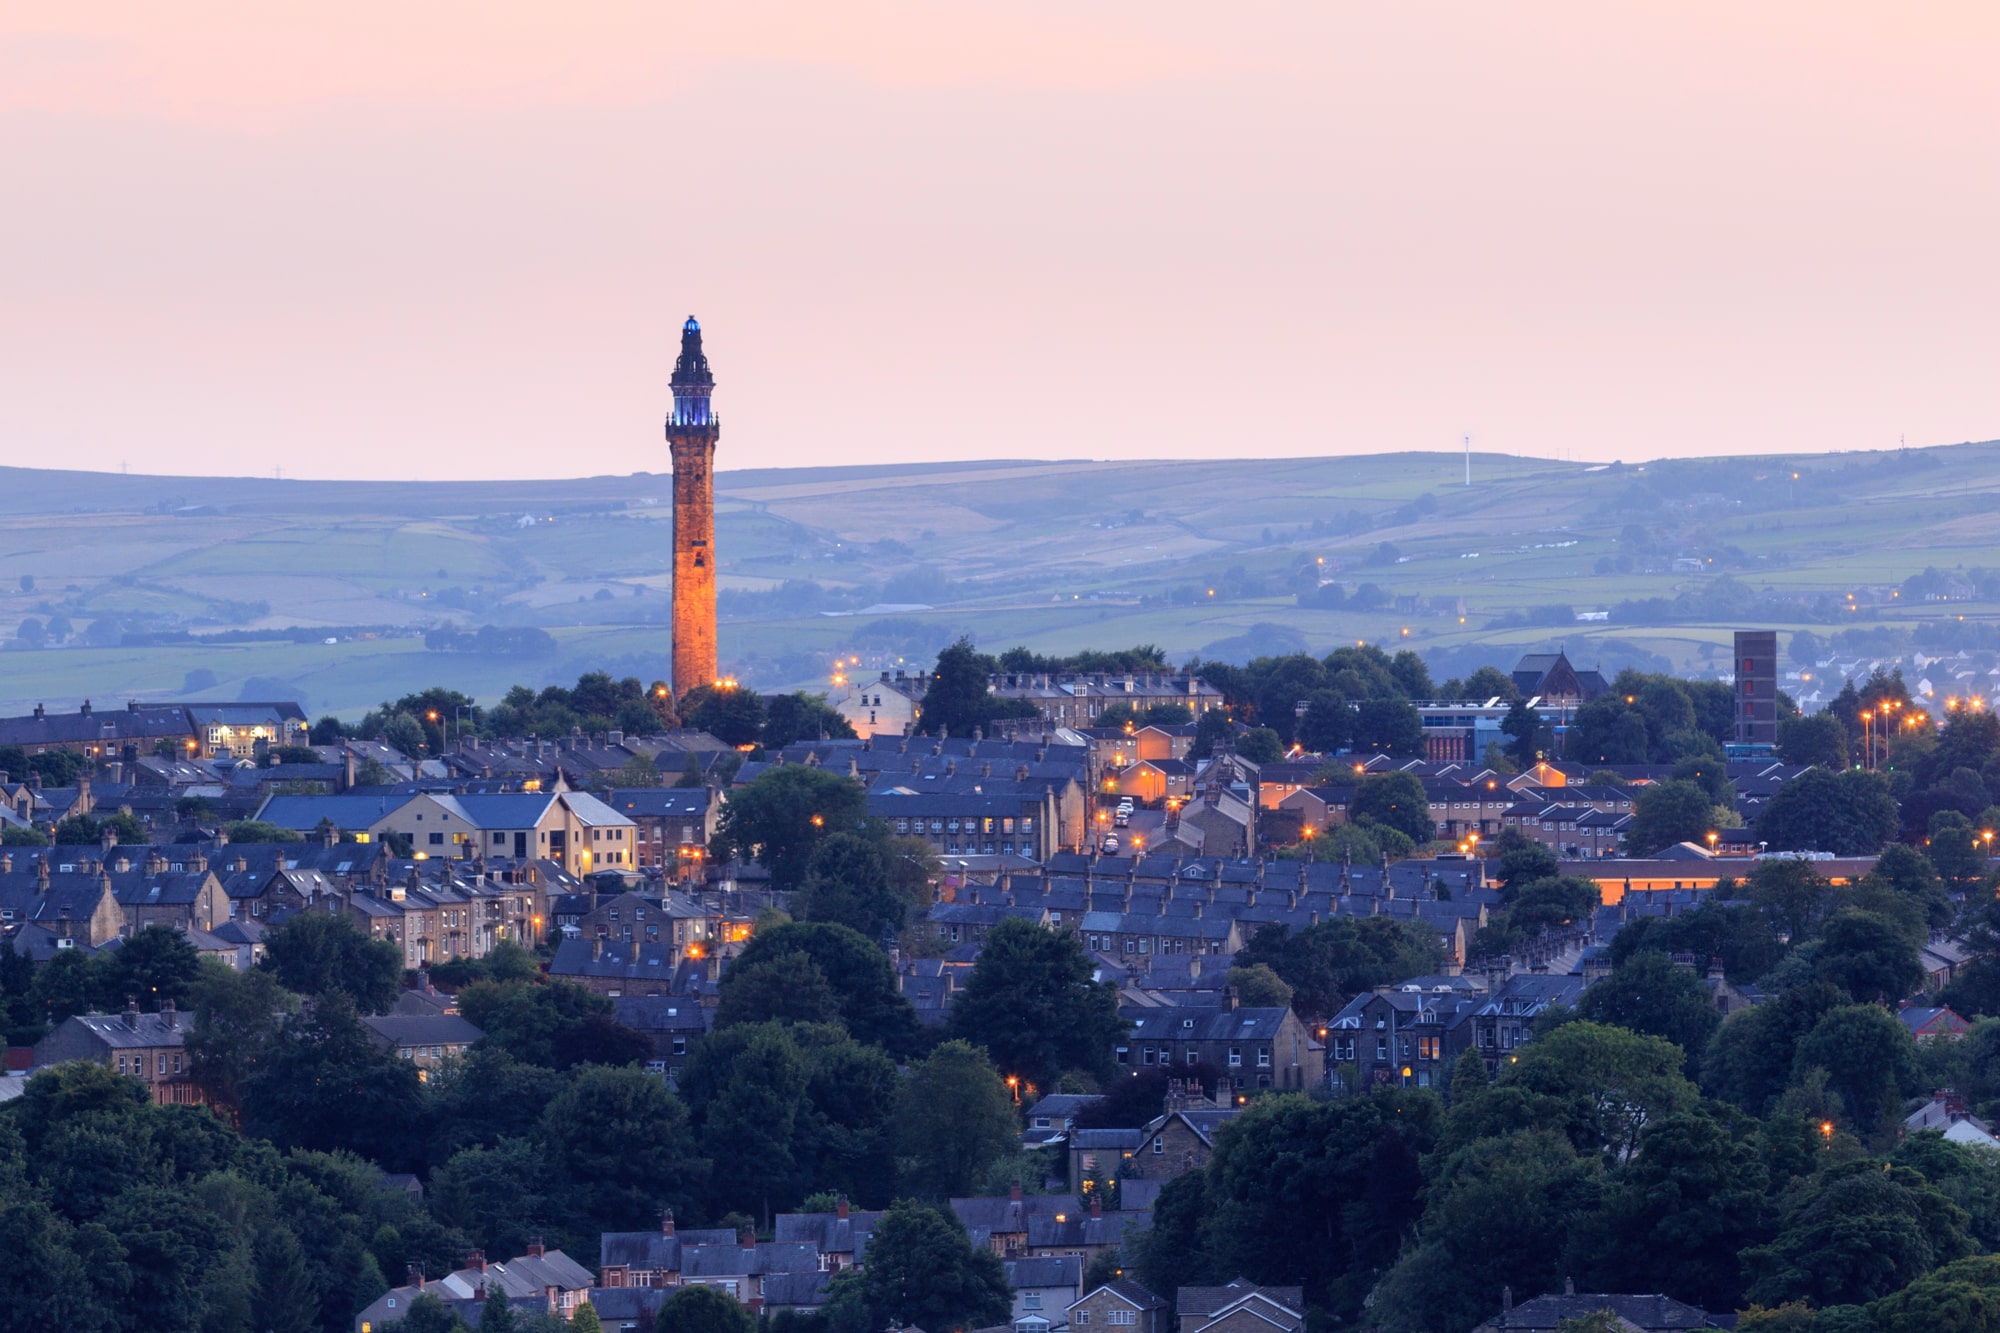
{"x":691,"y":434}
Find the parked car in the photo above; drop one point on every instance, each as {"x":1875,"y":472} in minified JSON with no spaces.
{"x":1110,"y":844}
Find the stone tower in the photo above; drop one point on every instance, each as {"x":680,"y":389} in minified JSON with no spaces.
{"x":691,"y":435}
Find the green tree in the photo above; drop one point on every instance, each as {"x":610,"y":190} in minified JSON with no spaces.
{"x":1869,"y":1059}
{"x":1328,"y":964}
{"x":1033,"y":1003}
{"x":785,"y":988}
{"x":1669,"y":812}
{"x":238,"y":1019}
{"x":85,"y":830}
{"x":874,"y":1012}
{"x":619,"y":1149}
{"x":585,"y":1320}
{"x":1527,"y":735}
{"x":1606,"y":1084}
{"x":1259,"y":987}
{"x":1522,"y":861}
{"x":284,"y":1300}
{"x":328,"y":1085}
{"x":728,"y":712}
{"x":954,"y":1119}
{"x":1749,"y":1060}
{"x":1389,"y":726}
{"x":320,"y":954}
{"x":497,"y":1315}
{"x":749,"y":1119}
{"x":959,"y":699}
{"x":153,"y":966}
{"x":782,"y":815}
{"x":1849,"y":813}
{"x":1396,"y":800}
{"x":1792,"y":896}
{"x":847,"y":882}
{"x":1868,"y":957}
{"x":1452,"y":1278}
{"x":1857,"y":1233}
{"x":923,"y":1271}
{"x":1648,"y":994}
{"x":1816,"y":738}
{"x":1676,"y":1215}
{"x":1960,"y":1297}
{"x":557,"y":1025}
{"x":1319,"y":1192}
{"x":701,"y":1309}
{"x":803,"y":717}
{"x":1261,"y":745}
{"x":256,"y":830}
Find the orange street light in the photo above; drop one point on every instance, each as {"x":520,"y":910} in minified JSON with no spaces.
{"x":1826,"y":1130}
{"x":819,"y":821}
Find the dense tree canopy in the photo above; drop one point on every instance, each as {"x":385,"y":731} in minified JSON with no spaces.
{"x":1032,"y":1002}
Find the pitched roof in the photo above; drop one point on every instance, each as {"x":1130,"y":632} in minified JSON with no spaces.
{"x":1651,"y":1313}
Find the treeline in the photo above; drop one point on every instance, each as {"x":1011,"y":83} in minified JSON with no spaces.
{"x":491,"y":641}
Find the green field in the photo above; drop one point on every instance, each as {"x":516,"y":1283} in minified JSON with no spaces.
{"x":1192,"y":556}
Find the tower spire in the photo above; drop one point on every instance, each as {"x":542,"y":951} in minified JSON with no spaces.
{"x":692,"y":430}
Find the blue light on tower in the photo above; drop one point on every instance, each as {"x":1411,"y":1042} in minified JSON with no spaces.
{"x":692,"y":382}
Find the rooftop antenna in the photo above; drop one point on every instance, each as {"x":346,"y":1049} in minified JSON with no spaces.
{"x":1468,"y":460}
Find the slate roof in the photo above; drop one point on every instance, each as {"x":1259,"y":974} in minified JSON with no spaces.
{"x":349,"y":813}
{"x":1049,"y":1271}
{"x":1651,"y":1313}
{"x":127,"y":1031}
{"x":423,"y":1029}
{"x":1205,"y":1301}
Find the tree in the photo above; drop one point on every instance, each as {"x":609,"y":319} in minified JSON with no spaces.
{"x":959,"y":699}
{"x":1396,"y":800}
{"x":284,"y":1300}
{"x":1390,"y":726}
{"x":1869,"y":1059}
{"x":1792,"y":896}
{"x":1261,"y":745}
{"x":497,"y":1315}
{"x":1329,"y":963}
{"x":847,"y":882}
{"x":84,"y":830}
{"x":1859,"y":1232}
{"x":1816,"y":738}
{"x":1605,"y":1083}
{"x":1960,"y":1297}
{"x":1032,"y":1002}
{"x":320,"y":954}
{"x":923,"y":1271}
{"x":1526,"y":732}
{"x":619,"y":1149}
{"x":558,"y":1025}
{"x":1319,"y":1192}
{"x":782,"y":815}
{"x":153,"y":966}
{"x":700,"y":1309}
{"x":1669,"y":812}
{"x":1849,"y":813}
{"x":1869,"y":958}
{"x":584,"y":1320}
{"x":784,"y":988}
{"x":954,"y":1119}
{"x":257,"y":830}
{"x":326,"y":1084}
{"x":749,"y":1119}
{"x":1452,"y":1278}
{"x":1677,"y":1214}
{"x":803,"y":717}
{"x":874,"y":1012}
{"x":1648,"y":994}
{"x":730,"y":713}
{"x":1750,"y":1057}
{"x":1522,"y":861}
{"x":1259,"y":987}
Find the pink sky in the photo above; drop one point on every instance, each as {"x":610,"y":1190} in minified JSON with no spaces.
{"x":453,"y":239}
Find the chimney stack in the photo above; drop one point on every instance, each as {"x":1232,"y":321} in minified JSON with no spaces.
{"x":840,"y":1207}
{"x":415,"y":1276}
{"x":748,"y":1238}
{"x":667,"y":1222}
{"x":535,"y":1249}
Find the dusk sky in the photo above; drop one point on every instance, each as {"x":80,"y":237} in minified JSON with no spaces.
{"x":441,"y":240}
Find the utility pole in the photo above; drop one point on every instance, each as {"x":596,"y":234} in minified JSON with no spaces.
{"x":1468,"y":460}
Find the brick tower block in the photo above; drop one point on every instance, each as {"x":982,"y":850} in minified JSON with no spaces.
{"x":691,"y":435}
